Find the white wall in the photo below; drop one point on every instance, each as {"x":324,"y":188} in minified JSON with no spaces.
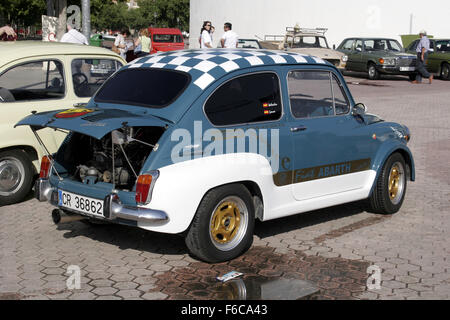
{"x":343,"y":18}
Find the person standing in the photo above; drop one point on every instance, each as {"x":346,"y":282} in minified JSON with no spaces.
{"x":120,"y":46}
{"x":422,"y":55}
{"x":229,"y":38}
{"x":205,"y":36}
{"x":74,"y":36}
{"x":144,"y":42}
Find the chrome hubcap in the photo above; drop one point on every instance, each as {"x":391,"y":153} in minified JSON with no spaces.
{"x":228,"y":223}
{"x":396,"y":182}
{"x":11,"y":174}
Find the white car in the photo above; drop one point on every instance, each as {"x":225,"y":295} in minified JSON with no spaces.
{"x":38,"y":76}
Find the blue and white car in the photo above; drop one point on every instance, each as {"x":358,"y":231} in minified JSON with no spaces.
{"x":202,"y":143}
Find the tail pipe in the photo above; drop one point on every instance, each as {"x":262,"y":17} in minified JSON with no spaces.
{"x":59,"y":216}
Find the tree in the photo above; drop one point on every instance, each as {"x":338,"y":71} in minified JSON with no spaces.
{"x":22,"y":12}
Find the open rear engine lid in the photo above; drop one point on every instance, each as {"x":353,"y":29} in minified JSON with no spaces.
{"x":92,"y":122}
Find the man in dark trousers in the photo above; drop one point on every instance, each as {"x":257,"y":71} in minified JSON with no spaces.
{"x":422,"y":54}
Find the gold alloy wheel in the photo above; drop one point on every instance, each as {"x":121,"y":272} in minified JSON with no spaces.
{"x":394,"y":179}
{"x":396,"y":182}
{"x":225,"y":222}
{"x":228,"y":223}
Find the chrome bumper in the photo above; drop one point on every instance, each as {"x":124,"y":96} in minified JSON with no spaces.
{"x":112,"y":206}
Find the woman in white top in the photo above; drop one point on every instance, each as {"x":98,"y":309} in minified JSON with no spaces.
{"x":205,"y":38}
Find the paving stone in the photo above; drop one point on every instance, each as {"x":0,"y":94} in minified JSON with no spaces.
{"x":104,"y":291}
{"x":128,"y":294}
{"x":154,"y":296}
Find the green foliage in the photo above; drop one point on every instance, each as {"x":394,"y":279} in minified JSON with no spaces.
{"x":27,"y":12}
{"x":107,"y":15}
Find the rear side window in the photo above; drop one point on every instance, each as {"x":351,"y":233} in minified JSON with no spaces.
{"x":247,"y":99}
{"x":316,"y":94}
{"x":152,"y":88}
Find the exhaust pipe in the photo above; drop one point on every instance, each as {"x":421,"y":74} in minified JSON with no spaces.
{"x":59,"y":216}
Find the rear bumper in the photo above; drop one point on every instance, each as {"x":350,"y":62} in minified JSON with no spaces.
{"x":112,"y":206}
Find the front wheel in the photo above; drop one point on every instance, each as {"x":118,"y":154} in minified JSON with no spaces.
{"x":373,"y":72}
{"x":16,"y":176}
{"x":390,"y":189}
{"x":222,"y":228}
{"x":445,"y":71}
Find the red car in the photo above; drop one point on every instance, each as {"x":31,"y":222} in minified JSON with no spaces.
{"x":166,"y":39}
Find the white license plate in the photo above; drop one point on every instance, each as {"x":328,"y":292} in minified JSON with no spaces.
{"x":79,"y":203}
{"x":407,"y":68}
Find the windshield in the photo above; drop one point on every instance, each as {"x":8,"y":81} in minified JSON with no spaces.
{"x":167,"y":38}
{"x":307,"y":42}
{"x":382,"y":45}
{"x":152,"y":88}
{"x":244,"y":43}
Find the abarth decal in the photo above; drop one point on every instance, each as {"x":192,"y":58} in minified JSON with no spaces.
{"x":284,"y":178}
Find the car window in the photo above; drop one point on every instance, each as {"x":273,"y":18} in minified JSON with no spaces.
{"x":38,"y":80}
{"x":341,"y":103}
{"x":167,"y":38}
{"x":443,"y":45}
{"x":358,"y":45}
{"x":310,"y":94}
{"x":89,"y":74}
{"x":348,"y":45}
{"x":244,"y":43}
{"x":247,"y":99}
{"x":394,"y":46}
{"x":152,"y":88}
{"x":309,"y":42}
{"x":413,"y":45}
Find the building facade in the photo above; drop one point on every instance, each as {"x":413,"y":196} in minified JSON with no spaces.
{"x":350,"y":18}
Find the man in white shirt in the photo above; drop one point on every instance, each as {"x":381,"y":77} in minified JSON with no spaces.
{"x":229,"y":38}
{"x":73,"y":36}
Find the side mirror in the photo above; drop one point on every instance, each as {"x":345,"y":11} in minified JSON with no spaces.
{"x":334,"y":47}
{"x":359,"y":109}
{"x":431,"y":50}
{"x":358,"y":49}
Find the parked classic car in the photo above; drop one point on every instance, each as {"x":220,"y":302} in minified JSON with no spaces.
{"x":438,"y":59}
{"x":378,"y":56}
{"x":306,"y":41}
{"x":41,"y":76}
{"x":202,"y":144}
{"x":166,"y":39}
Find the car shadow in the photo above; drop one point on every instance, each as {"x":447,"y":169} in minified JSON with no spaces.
{"x":299,"y":221}
{"x":126,"y":237}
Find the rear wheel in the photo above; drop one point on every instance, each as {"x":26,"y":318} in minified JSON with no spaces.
{"x":373,"y":72}
{"x":445,"y":71}
{"x":222,"y":228}
{"x":390,"y":189}
{"x":16,"y":176}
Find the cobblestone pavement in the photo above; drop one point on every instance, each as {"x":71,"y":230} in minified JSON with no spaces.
{"x":331,"y":248}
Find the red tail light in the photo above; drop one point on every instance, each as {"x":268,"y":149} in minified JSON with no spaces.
{"x":45,"y":167}
{"x":144,"y":187}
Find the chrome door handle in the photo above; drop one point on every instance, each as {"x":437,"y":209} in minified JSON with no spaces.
{"x":300,"y":128}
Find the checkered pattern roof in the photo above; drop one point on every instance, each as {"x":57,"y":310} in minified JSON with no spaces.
{"x":205,"y":66}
